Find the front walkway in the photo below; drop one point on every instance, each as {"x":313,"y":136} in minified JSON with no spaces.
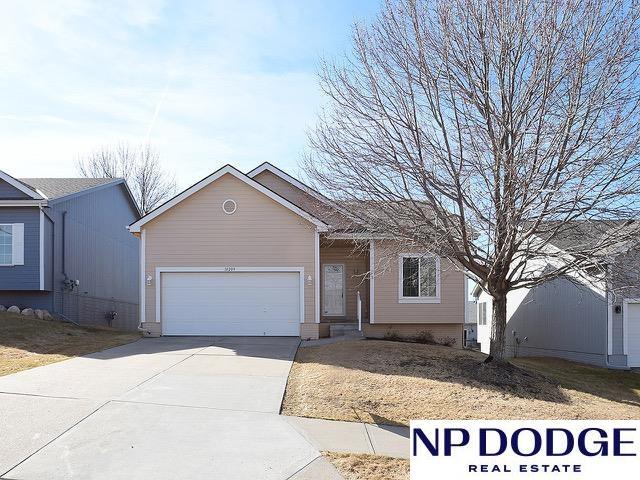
{"x":161,"y":408}
{"x":354,"y":437}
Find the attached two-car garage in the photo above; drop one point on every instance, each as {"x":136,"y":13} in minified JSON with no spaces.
{"x":231,"y":302}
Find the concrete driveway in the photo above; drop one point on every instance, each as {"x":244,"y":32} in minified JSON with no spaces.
{"x":172,"y":407}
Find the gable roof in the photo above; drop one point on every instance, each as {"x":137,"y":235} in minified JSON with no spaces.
{"x":227,"y":169}
{"x":319,"y":205}
{"x":24,"y":188}
{"x":582,"y":234}
{"x":285,"y":176}
{"x":56,"y":188}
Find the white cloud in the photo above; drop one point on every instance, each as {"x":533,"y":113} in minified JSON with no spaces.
{"x":208,"y":83}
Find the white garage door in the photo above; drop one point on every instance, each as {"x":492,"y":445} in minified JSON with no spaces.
{"x":238,"y":303}
{"x":633,"y":335}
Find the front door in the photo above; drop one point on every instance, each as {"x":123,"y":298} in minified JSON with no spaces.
{"x":333,"y":304}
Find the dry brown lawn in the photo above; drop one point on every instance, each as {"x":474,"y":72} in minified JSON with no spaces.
{"x":27,"y":342}
{"x":392,"y":382}
{"x":354,"y":466}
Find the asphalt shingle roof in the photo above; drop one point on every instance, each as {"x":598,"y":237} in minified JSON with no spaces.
{"x":583,"y":234}
{"x":61,"y":187}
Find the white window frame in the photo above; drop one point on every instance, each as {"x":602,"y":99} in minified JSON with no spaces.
{"x":401,"y":297}
{"x":12,"y":254}
{"x":482,"y":308}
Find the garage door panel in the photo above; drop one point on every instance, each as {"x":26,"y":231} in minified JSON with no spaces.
{"x":222,"y":303}
{"x":230,"y":279}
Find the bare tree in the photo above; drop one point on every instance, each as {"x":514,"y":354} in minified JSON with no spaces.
{"x":489,"y":132}
{"x":139,"y":166}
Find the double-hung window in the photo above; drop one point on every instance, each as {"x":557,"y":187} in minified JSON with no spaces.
{"x":419,"y":279}
{"x":6,"y":244}
{"x":482,"y":313}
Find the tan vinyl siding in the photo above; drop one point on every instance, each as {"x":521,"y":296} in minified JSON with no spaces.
{"x":302,"y":199}
{"x":314,"y":330}
{"x":290,"y":192}
{"x":441,"y":332}
{"x":261,"y":233}
{"x":356,"y":266}
{"x":389,"y":310}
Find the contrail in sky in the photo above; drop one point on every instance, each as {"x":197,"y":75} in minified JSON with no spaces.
{"x":156,"y":112}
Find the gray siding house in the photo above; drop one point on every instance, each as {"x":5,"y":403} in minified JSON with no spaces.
{"x":570,"y":318}
{"x":64,"y":248}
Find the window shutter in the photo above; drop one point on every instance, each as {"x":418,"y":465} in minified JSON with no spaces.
{"x":17,"y":240}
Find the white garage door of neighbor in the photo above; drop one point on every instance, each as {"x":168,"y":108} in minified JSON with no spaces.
{"x":633,"y":335}
{"x":238,"y":303}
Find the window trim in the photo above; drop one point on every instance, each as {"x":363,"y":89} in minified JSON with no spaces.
{"x":12,"y":255}
{"x":482,"y":313}
{"x":401,"y":297}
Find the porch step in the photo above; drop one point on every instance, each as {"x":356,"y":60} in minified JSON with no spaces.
{"x":344,"y":329}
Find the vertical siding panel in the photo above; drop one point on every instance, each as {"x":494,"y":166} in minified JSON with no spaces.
{"x":27,"y":276}
{"x":102,"y":254}
{"x":558,"y":319}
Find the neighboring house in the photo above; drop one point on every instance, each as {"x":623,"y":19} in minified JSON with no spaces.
{"x":570,"y":318}
{"x":64,"y":248}
{"x":471,"y":324}
{"x":260,"y":254}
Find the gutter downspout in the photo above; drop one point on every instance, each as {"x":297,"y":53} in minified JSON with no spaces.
{"x":64,"y":265}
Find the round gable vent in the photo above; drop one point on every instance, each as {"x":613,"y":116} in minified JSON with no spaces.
{"x":229,"y":206}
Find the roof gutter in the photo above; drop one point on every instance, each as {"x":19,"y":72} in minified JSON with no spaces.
{"x":23,"y":203}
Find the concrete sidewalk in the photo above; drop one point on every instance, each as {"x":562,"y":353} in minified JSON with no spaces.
{"x":353,"y":437}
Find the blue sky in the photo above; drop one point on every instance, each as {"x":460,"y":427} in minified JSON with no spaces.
{"x":205,"y":82}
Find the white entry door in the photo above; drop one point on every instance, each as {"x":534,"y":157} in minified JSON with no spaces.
{"x":633,"y":335}
{"x":333,"y":304}
{"x":218,"y":303}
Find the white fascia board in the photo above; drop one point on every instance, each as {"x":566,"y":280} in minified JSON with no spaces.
{"x":135,"y":227}
{"x":21,"y":186}
{"x":477,"y":290}
{"x":358,"y":236}
{"x":23,"y":203}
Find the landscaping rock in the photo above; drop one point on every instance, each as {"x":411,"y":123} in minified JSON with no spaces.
{"x":3,"y":308}
{"x":46,"y":315}
{"x":28,"y":312}
{"x":13,"y":309}
{"x":39,"y":313}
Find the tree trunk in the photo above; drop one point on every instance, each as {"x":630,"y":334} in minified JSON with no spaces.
{"x":498,"y":326}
